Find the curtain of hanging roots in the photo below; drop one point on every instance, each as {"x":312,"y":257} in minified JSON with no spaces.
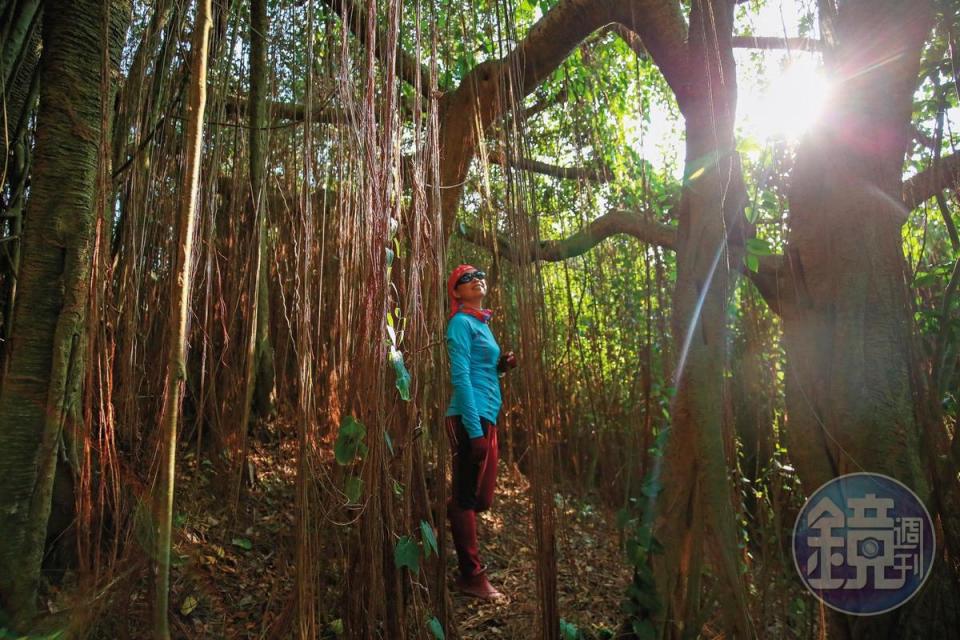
{"x":539,"y":410}
{"x":338,"y":196}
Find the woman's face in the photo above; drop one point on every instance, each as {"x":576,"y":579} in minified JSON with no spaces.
{"x":472,"y":291}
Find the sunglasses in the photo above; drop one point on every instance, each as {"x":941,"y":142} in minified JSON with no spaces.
{"x":473,"y":275}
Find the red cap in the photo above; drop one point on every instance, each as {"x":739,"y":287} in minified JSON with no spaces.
{"x":452,"y":282}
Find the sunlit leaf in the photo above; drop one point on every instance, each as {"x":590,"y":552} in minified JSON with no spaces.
{"x":403,"y":376}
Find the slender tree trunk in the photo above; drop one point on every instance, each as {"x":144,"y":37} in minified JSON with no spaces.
{"x":260,"y":393}
{"x":40,"y":393}
{"x":695,"y":514}
{"x":257,"y":105}
{"x":180,"y":303}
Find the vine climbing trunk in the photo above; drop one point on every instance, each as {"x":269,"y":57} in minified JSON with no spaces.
{"x":695,"y":515}
{"x":39,"y":399}
{"x":180,"y":303}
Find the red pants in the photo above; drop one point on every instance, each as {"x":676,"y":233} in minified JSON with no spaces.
{"x":473,"y":486}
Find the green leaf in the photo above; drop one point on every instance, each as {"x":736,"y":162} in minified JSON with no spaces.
{"x":569,"y":631}
{"x":336,"y":626}
{"x":243,"y":543}
{"x":435,"y":628}
{"x":353,"y":489}
{"x":350,"y":444}
{"x":752,"y":262}
{"x":759,"y":247}
{"x":407,"y":554}
{"x":429,"y":538}
{"x":403,"y":376}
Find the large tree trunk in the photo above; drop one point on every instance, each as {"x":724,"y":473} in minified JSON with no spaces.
{"x":847,"y":333}
{"x":40,"y":391}
{"x":695,"y":515}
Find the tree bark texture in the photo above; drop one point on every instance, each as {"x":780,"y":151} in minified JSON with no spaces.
{"x":39,"y":398}
{"x":851,"y":400}
{"x":695,"y":515}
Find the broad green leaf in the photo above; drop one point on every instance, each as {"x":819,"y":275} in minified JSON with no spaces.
{"x":435,"y":628}
{"x":407,"y":554}
{"x":752,"y":262}
{"x":429,"y":537}
{"x":350,"y":444}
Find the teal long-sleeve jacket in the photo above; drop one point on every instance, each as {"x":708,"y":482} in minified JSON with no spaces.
{"x":474,"y":354}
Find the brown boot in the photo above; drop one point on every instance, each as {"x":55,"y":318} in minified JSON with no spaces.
{"x":479,"y":587}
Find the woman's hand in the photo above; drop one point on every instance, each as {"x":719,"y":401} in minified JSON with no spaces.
{"x":507,"y":361}
{"x":478,"y":449}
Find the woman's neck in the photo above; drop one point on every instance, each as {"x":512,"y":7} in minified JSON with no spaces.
{"x":473,"y":305}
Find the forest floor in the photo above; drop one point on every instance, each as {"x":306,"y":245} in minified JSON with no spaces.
{"x":592,"y":573}
{"x":235,"y":579}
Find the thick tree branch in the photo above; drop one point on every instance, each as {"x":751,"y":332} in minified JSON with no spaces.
{"x":929,"y":182}
{"x":590,"y":174}
{"x":615,"y":222}
{"x":663,"y":34}
{"x":765,"y":42}
{"x":480,"y":100}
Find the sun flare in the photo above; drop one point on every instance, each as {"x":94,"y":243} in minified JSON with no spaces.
{"x":789,"y":105}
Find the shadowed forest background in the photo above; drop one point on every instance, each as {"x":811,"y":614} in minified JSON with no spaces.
{"x":720,"y":236}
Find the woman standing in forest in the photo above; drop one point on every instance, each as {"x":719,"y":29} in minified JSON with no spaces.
{"x":475,"y":363}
